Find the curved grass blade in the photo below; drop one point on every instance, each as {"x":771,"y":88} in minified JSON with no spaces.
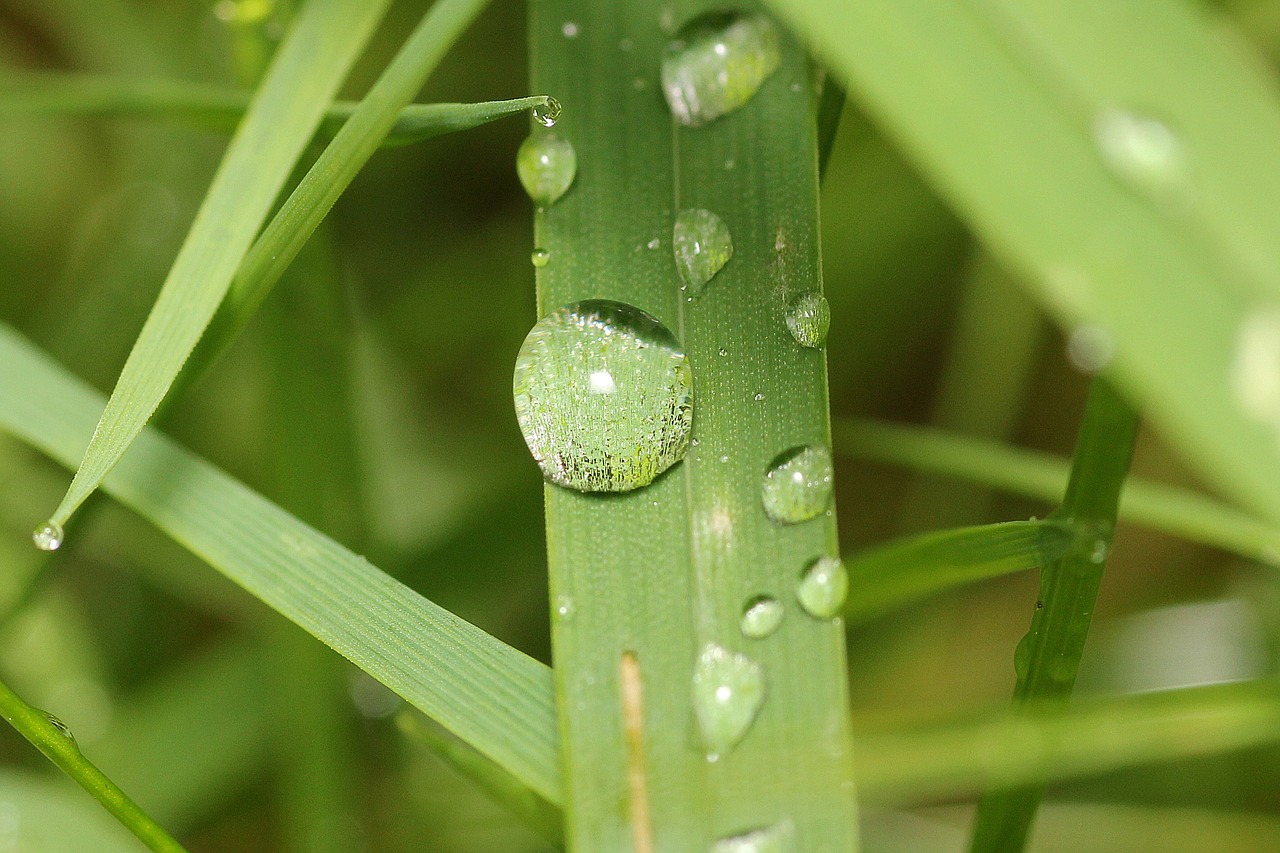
{"x":58,"y":745}
{"x":1176,"y":511}
{"x":221,"y":109}
{"x":311,"y":63}
{"x":1115,"y":155}
{"x":487,"y":693}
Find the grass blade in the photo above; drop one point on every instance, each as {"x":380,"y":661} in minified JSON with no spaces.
{"x":489,"y":694}
{"x":1049,"y":656}
{"x":284,"y":115}
{"x":1034,"y":118}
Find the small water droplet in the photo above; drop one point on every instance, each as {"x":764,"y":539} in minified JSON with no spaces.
{"x":808,"y":318}
{"x":759,"y":396}
{"x":47,"y":537}
{"x":546,"y":165}
{"x":547,"y":114}
{"x":625,"y":45}
{"x":539,"y":257}
{"x":1039,"y":604}
{"x":702,"y":246}
{"x":654,"y":243}
{"x":1098,"y":555}
{"x":1144,"y":153}
{"x":823,"y":587}
{"x":717,"y":65}
{"x":779,"y":838}
{"x":604,"y":396}
{"x":729,"y":164}
{"x":724,"y":351}
{"x":761,"y":617}
{"x":569,"y":30}
{"x":565,"y":607}
{"x":728,"y":690}
{"x":1255,"y":367}
{"x":797,"y":484}
{"x":1090,"y":348}
{"x":63,"y":728}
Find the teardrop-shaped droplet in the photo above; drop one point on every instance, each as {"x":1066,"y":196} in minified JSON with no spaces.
{"x":717,"y":64}
{"x":62,"y":728}
{"x":728,"y":690}
{"x":547,"y":114}
{"x":808,"y":318}
{"x":702,"y":246}
{"x":604,"y":396}
{"x":761,"y":617}
{"x":823,"y":587}
{"x":1144,"y":153}
{"x":539,"y":258}
{"x":779,"y":838}
{"x":546,"y":165}
{"x":797,"y":484}
{"x":47,"y":537}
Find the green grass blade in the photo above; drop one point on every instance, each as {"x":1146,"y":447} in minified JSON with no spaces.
{"x":649,"y":578}
{"x":59,"y":746}
{"x":220,"y":109}
{"x":1049,"y":656}
{"x":311,"y":63}
{"x":489,"y":694}
{"x":1156,"y":232}
{"x":1038,"y":746}
{"x":1176,"y":511}
{"x":897,"y":573}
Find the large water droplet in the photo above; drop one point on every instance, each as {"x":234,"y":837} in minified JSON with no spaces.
{"x":797,"y":484}
{"x":604,"y":396}
{"x":823,"y":587}
{"x":808,"y":318}
{"x":539,"y":258}
{"x":761,"y":617}
{"x":728,"y":690}
{"x":779,"y":838}
{"x":717,"y":65}
{"x":547,"y":114}
{"x":546,"y":165}
{"x":47,"y":537}
{"x":1145,"y":153}
{"x":702,"y":246}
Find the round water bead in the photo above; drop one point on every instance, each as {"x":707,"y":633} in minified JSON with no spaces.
{"x":808,"y":318}
{"x":797,"y":484}
{"x":702,"y":246}
{"x":824,"y":587}
{"x":546,"y":165}
{"x":47,"y":537}
{"x":761,"y":617}
{"x":547,"y":114}
{"x":604,"y":396}
{"x":717,"y":64}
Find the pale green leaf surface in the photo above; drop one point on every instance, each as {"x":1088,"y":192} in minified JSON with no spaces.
{"x":281,"y":120}
{"x":53,"y":816}
{"x":489,"y":694}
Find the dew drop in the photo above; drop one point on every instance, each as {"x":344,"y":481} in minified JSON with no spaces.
{"x":779,"y":838}
{"x":808,"y":318}
{"x":702,"y":246}
{"x":654,"y":243}
{"x":1090,"y":348}
{"x":62,"y":728}
{"x":539,"y":257}
{"x":761,"y":617}
{"x":758,"y":397}
{"x":546,"y":165}
{"x":723,"y":351}
{"x":604,"y":396}
{"x":1098,"y":555}
{"x":547,"y":114}
{"x":1144,"y":153}
{"x":728,"y":690}
{"x":823,"y":587}
{"x":565,"y":608}
{"x":797,"y":484}
{"x":47,"y":537}
{"x":717,"y":65}
{"x":569,"y":30}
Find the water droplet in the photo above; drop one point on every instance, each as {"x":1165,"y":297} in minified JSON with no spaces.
{"x":1098,"y":555}
{"x":724,"y":351}
{"x":761,"y":617}
{"x":759,"y":396}
{"x":797,"y":484}
{"x":1255,"y":368}
{"x":1090,"y":348}
{"x":63,"y":728}
{"x":569,"y":30}
{"x":604,"y":396}
{"x":808,"y":318}
{"x":823,"y":587}
{"x":1144,"y":153}
{"x":654,"y":243}
{"x":779,"y":838}
{"x":565,"y":607}
{"x":547,"y":114}
{"x":702,"y":246}
{"x":728,"y":690}
{"x":625,"y":45}
{"x":47,"y":537}
{"x":539,"y":257}
{"x":717,"y":65}
{"x":546,"y":165}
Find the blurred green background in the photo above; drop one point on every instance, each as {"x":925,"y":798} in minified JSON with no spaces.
{"x":372,"y":397}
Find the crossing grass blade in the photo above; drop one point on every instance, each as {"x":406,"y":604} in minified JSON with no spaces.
{"x":489,"y":694}
{"x":1116,"y":156}
{"x":311,"y":63}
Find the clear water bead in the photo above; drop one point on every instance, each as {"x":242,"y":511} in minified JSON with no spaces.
{"x":604,"y":396}
{"x":702,"y":246}
{"x":1144,"y":153}
{"x":728,"y":690}
{"x":761,"y":617}
{"x":47,"y":537}
{"x":797,"y":484}
{"x":539,"y":258}
{"x":717,"y":65}
{"x":61,"y":727}
{"x":779,"y":838}
{"x":823,"y":587}
{"x":547,"y":114}
{"x":809,"y":318}
{"x":546,"y":165}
